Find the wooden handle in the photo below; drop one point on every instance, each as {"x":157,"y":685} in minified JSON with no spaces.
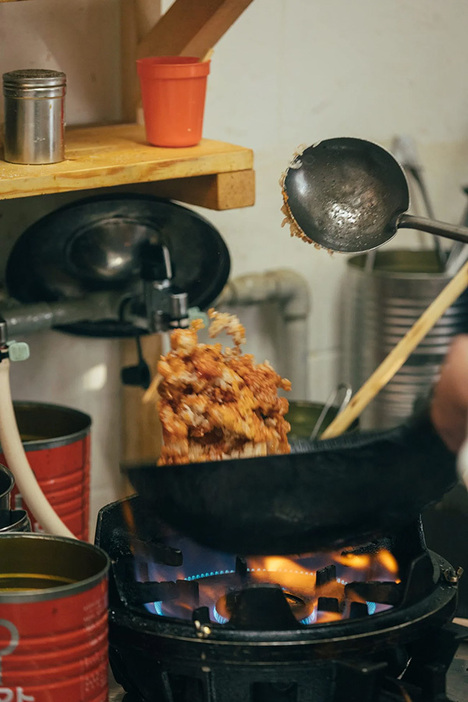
{"x":399,"y":354}
{"x":141,"y":428}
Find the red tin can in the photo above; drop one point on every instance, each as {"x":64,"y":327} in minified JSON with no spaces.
{"x":57,"y":443}
{"x":53,"y":620}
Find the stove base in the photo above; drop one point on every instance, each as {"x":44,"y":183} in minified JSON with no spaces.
{"x":402,"y":652}
{"x":431,"y":676}
{"x":457,"y":681}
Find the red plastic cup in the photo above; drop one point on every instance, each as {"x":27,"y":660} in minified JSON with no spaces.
{"x":173,"y":90}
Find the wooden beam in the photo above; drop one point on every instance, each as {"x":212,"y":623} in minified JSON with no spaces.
{"x":223,"y":191}
{"x":191,"y":28}
{"x":137,"y":17}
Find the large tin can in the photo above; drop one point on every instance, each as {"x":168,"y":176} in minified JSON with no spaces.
{"x":57,"y":443}
{"x":380,"y":307}
{"x":53,"y":620}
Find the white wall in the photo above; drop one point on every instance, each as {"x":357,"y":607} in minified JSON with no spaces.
{"x":289,"y":72}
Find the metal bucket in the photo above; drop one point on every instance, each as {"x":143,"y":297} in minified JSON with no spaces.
{"x":303,"y":417}
{"x":57,"y":442}
{"x":380,"y":307}
{"x":53,"y":619}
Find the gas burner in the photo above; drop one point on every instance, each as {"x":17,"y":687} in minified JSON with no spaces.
{"x":264,"y":593}
{"x":192,"y":625}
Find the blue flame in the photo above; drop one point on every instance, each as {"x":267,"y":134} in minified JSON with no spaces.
{"x":311,"y":619}
{"x":218,"y":617}
{"x":209,"y":575}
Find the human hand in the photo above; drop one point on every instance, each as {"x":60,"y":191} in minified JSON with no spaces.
{"x":449,"y":405}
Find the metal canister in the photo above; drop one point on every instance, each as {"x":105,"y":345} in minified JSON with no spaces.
{"x":53,"y":619}
{"x":57,"y":443}
{"x":380,"y":307}
{"x":34,"y":116}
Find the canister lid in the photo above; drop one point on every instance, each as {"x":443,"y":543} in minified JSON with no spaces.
{"x":34,"y":81}
{"x":34,"y":78}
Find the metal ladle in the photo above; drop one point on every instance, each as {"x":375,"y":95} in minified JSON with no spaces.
{"x":351,"y":195}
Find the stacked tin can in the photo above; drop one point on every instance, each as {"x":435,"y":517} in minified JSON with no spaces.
{"x":57,"y":444}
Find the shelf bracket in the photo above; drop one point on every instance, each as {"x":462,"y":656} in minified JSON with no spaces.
{"x":191,"y":29}
{"x":188,"y":28}
{"x":220,"y":191}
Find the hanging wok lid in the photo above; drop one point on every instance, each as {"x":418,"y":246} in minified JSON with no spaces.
{"x":95,"y":244}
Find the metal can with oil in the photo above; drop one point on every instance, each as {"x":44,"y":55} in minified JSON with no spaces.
{"x":53,"y":619}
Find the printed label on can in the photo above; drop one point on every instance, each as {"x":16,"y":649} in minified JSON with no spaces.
{"x":14,"y":694}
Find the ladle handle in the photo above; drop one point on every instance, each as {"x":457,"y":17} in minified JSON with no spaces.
{"x":398,"y":355}
{"x":423,"y":224}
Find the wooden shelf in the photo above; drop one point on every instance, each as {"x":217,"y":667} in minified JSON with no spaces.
{"x":213,"y":174}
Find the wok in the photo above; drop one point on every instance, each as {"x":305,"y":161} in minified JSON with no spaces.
{"x":351,"y":195}
{"x":325,"y":495}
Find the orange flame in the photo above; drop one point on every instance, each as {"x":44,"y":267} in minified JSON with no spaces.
{"x":282,"y":571}
{"x":388,"y":561}
{"x":358,"y":561}
{"x":324,"y":617}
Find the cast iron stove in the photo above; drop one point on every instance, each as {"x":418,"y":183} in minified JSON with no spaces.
{"x":188,"y":624}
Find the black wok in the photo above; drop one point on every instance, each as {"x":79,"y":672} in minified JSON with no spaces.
{"x":327,"y":495}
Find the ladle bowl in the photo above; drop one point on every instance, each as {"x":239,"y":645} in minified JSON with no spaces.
{"x":351,"y":195}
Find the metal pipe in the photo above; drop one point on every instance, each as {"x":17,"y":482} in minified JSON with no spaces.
{"x":28,"y":318}
{"x":283,"y":286}
{"x":291,"y":292}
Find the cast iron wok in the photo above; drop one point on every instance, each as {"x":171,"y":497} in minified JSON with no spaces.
{"x":328,"y":495}
{"x":351,"y":195}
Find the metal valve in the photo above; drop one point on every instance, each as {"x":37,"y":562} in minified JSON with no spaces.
{"x":161,"y":303}
{"x":13,"y":350}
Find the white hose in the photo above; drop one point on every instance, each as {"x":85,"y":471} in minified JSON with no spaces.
{"x":12,"y":448}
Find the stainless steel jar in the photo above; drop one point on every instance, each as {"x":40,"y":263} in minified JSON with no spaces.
{"x":34,"y":116}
